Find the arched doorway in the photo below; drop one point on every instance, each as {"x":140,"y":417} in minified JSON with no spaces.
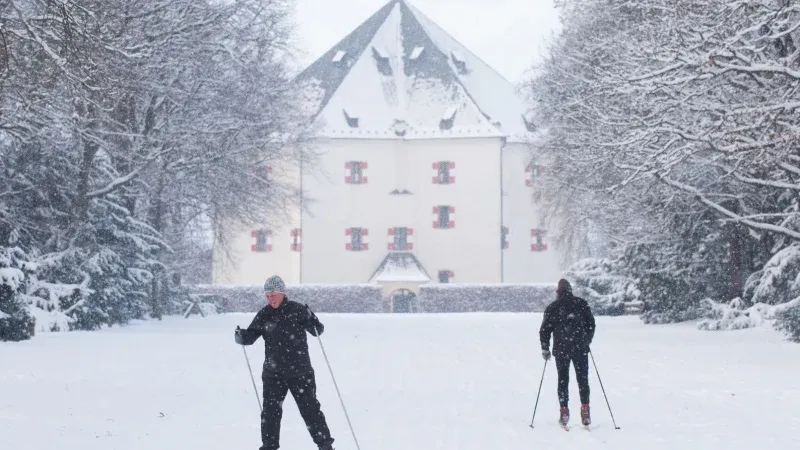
{"x":403,"y":301}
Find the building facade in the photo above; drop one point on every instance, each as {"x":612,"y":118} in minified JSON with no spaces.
{"x":422,"y":175}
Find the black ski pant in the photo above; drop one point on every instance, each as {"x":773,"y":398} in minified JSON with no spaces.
{"x":304,"y":391}
{"x":580,"y":361}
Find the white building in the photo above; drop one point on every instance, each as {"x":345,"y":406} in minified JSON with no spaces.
{"x":423,"y":174}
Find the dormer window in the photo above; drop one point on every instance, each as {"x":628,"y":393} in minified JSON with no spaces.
{"x":459,"y":62}
{"x":448,"y":118}
{"x":382,"y":60}
{"x":400,"y":127}
{"x":352,"y":121}
{"x":529,"y":125}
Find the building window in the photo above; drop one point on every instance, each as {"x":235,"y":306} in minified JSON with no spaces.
{"x":538,"y":243}
{"x":399,"y":239}
{"x":356,"y":239}
{"x":297,"y":240}
{"x":445,"y":276}
{"x":355,"y":172}
{"x":444,"y":217}
{"x":459,"y":62}
{"x":504,"y":238}
{"x":352,"y":120}
{"x":263,"y":172}
{"x":532,"y":172}
{"x":263,"y":241}
{"x":444,"y":172}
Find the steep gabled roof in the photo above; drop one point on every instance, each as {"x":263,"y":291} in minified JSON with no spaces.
{"x":400,"y":74}
{"x":400,"y":267}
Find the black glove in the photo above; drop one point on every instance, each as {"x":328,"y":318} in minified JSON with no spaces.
{"x":238,"y":337}
{"x":315,"y":323}
{"x":545,"y":354}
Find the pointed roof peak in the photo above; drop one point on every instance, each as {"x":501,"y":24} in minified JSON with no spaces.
{"x":400,"y":66}
{"x":400,"y":267}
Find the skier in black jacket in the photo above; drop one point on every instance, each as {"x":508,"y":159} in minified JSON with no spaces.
{"x":287,"y":366}
{"x":571,"y":322}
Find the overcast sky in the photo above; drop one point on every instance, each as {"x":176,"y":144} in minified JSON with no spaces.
{"x":507,"y":34}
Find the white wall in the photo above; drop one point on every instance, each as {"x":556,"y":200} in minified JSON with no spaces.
{"x":471,"y":250}
{"x":521,"y":265}
{"x":248,"y":267}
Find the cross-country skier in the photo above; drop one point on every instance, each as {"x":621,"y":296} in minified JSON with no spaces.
{"x":287,"y":366}
{"x":569,"y":319}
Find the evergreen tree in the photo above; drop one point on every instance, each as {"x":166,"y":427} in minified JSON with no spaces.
{"x":16,"y":323}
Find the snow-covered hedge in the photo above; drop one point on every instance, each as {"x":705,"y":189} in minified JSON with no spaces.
{"x":336,"y":298}
{"x":467,"y":297}
{"x":600,"y":283}
{"x":367,"y":298}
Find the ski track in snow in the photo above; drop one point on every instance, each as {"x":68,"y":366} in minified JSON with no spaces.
{"x":427,"y":382}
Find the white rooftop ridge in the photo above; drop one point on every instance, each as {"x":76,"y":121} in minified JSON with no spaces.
{"x":399,"y":65}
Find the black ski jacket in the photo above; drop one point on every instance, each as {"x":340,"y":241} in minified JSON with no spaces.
{"x":571,"y":322}
{"x":285,"y":345}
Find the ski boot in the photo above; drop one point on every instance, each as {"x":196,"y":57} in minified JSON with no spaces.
{"x":326,"y":446}
{"x":586,"y":419}
{"x":564,"y":417}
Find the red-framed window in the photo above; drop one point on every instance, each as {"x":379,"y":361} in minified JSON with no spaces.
{"x":400,"y":239}
{"x":297,"y":240}
{"x":444,"y":172}
{"x":446,"y":275}
{"x":532,"y":172}
{"x":356,"y":239}
{"x":538,"y":243}
{"x":444,"y":217}
{"x":263,"y":171}
{"x":354,"y":172}
{"x":263,"y":241}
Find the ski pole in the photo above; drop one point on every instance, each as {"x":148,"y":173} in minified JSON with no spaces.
{"x":604,"y":391}
{"x":539,"y":393}
{"x":250,"y":371}
{"x":337,"y":389}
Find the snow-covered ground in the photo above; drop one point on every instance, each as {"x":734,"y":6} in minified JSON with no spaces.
{"x":422,"y":382}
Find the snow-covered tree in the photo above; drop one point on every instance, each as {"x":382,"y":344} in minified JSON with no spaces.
{"x":671,"y":131}
{"x":126,"y":128}
{"x":16,"y":323}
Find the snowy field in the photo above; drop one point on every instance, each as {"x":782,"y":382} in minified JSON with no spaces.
{"x":410,"y":382}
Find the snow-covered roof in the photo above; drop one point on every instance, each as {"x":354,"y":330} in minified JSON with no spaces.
{"x":400,"y":267}
{"x":399,"y":74}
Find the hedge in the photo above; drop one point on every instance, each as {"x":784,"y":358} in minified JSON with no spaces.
{"x":465,"y":297}
{"x":367,"y":298}
{"x":324,"y":298}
